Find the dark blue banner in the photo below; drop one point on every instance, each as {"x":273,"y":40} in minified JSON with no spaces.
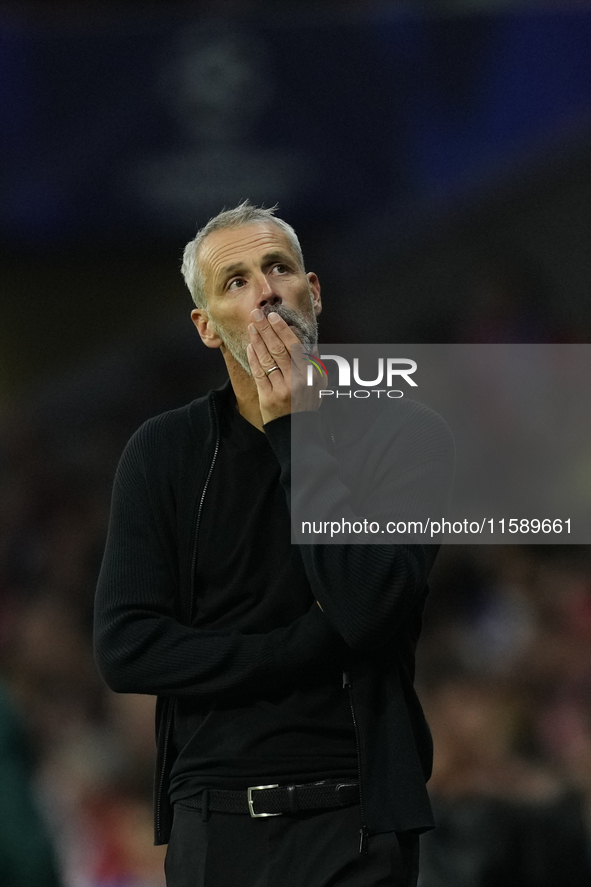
{"x":147,"y":127}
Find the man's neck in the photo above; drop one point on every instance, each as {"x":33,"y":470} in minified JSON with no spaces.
{"x":245,"y":390}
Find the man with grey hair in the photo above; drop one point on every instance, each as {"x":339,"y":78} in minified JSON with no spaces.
{"x":278,"y":233}
{"x":292,"y":749}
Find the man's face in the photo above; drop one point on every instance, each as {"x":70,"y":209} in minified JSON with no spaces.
{"x":250,"y":267}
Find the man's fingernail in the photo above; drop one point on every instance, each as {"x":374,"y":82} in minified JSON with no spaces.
{"x":257,"y":314}
{"x":274,"y":317}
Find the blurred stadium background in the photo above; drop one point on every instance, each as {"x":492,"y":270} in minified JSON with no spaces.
{"x":435,"y":158}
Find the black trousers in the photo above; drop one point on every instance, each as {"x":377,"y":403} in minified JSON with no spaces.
{"x":313,"y":849}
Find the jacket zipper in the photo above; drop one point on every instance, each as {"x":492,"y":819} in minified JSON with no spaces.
{"x":191,"y":605}
{"x":205,"y":486}
{"x":363,"y":835}
{"x":167,"y":730}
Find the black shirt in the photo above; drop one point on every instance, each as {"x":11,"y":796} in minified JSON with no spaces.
{"x":372,"y":599}
{"x":251,"y":579}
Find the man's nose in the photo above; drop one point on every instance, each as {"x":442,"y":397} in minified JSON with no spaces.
{"x":267,"y":294}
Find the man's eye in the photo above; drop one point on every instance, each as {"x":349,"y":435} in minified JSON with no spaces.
{"x":237,"y":283}
{"x":282,"y":269}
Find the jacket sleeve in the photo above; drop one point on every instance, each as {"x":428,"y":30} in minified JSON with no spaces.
{"x":141,"y":647}
{"x":366,"y":590}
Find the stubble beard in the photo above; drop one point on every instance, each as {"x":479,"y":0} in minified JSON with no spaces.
{"x":305,"y":328}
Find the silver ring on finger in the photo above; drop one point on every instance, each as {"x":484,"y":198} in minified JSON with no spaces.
{"x":268,"y":372}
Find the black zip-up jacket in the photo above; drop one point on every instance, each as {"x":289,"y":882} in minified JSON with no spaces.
{"x":372,"y":597}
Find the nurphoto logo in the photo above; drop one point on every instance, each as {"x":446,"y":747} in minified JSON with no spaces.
{"x":388,"y":371}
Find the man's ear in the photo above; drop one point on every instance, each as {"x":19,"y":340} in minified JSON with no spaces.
{"x":205,"y":328}
{"x":314,"y":285}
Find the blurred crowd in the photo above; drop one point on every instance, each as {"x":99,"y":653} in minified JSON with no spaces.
{"x":505,"y":679}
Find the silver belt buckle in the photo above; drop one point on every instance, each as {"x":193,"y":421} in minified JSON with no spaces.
{"x":256,"y":788}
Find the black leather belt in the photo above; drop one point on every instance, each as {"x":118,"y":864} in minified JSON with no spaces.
{"x":274,"y":800}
